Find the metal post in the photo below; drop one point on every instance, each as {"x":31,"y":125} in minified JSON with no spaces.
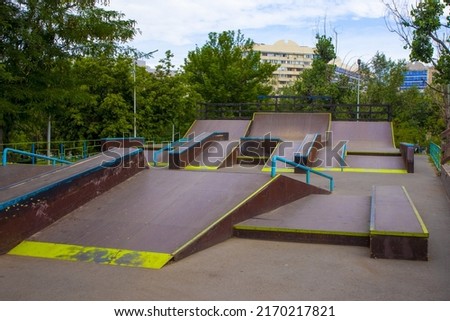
{"x":33,"y":151}
{"x":134,"y":97}
{"x":357,"y":94}
{"x":273,"y":172}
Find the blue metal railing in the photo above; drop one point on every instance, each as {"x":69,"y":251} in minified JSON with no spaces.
{"x":166,"y":148}
{"x":32,"y":155}
{"x":307,"y":169}
{"x":344,"y":154}
{"x":436,"y":154}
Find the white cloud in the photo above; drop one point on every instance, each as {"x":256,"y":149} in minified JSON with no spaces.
{"x":180,"y":24}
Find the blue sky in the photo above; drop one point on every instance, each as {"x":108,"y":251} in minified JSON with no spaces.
{"x":179,"y":25}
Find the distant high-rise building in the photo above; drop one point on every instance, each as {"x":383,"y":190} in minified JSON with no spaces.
{"x":291,"y":58}
{"x":417,"y":75}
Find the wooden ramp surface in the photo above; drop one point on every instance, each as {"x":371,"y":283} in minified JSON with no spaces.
{"x":335,"y":219}
{"x":235,"y":128}
{"x":365,"y":137}
{"x":289,"y":126}
{"x":43,"y":178}
{"x":16,"y":173}
{"x":154,"y":214}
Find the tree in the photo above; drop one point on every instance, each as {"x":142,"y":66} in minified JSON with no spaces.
{"x":424,"y":30}
{"x":40,"y":41}
{"x":168,"y":102}
{"x":321,"y":80}
{"x":381,"y":80}
{"x":227,"y":69}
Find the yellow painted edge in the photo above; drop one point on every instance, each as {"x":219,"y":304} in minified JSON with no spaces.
{"x":279,"y":170}
{"x":298,"y":231}
{"x":416,"y":212}
{"x":396,"y":233}
{"x":200,"y":168}
{"x":247,"y":131}
{"x":392,"y":135}
{"x":108,"y":256}
{"x":189,"y":129}
{"x":362,"y":170}
{"x":225,"y":215}
{"x":329,"y":122}
{"x":373,"y":153}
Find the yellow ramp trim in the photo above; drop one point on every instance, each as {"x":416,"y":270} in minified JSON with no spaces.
{"x":362,"y":170}
{"x":279,"y":170}
{"x":298,"y":231}
{"x":109,"y":256}
{"x":200,"y":168}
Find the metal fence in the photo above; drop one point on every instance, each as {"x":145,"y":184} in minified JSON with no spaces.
{"x":350,"y":112}
{"x":436,"y":154}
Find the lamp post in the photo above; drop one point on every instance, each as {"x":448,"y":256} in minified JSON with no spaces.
{"x":357,"y":94}
{"x":134,"y":98}
{"x":136,"y":56}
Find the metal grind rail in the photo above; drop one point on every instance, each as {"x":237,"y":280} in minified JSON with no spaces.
{"x":307,"y":169}
{"x":21,"y":152}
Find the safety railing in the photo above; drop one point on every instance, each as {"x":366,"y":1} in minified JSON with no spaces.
{"x":343,"y":156}
{"x":307,"y":169}
{"x":21,"y":152}
{"x":436,"y":154}
{"x":167,"y":148}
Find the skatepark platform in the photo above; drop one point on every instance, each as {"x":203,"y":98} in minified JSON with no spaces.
{"x":159,"y":215}
{"x":109,"y":210}
{"x":387,"y":222}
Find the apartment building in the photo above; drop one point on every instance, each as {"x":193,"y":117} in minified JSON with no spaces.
{"x":291,"y":58}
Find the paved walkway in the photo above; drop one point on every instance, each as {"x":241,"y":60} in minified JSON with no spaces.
{"x":240,"y":269}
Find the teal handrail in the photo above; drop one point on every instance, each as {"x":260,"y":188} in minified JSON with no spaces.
{"x":165,"y":148}
{"x":21,"y":152}
{"x":344,"y":154}
{"x":435,"y":154}
{"x":307,"y":169}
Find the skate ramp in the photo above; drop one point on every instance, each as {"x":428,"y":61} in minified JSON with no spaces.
{"x":212,"y":155}
{"x":159,"y":215}
{"x":365,"y":137}
{"x":289,"y":126}
{"x":235,"y":128}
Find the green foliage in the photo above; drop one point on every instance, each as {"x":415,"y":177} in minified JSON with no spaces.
{"x":418,"y":117}
{"x":425,"y":32}
{"x":325,"y":50}
{"x":321,"y":79}
{"x":167,"y":102}
{"x":227,"y":70}
{"x":381,"y":79}
{"x":40,"y":40}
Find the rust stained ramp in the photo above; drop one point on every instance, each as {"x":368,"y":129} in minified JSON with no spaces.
{"x":365,"y":137}
{"x":289,"y":126}
{"x":159,"y":215}
{"x":219,"y":153}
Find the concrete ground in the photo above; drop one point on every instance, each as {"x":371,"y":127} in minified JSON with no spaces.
{"x":241,"y":269}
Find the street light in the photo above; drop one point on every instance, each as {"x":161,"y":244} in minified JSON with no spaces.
{"x":357,"y":94}
{"x":136,"y":57}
